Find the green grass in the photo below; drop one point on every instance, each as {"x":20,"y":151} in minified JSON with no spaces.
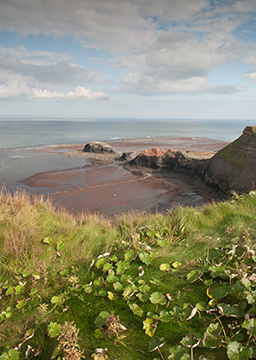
{"x":49,"y":254}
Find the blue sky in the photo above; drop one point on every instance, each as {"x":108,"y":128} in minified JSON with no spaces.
{"x":128,"y":59}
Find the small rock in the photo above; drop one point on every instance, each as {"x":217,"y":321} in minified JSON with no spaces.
{"x":98,"y":147}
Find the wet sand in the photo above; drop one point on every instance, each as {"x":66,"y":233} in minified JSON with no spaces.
{"x":105,"y":186}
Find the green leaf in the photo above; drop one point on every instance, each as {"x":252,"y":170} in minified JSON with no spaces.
{"x":111,"y":296}
{"x":104,"y":314}
{"x":111,"y":278}
{"x":18,"y":289}
{"x":87,"y":288}
{"x":64,"y":273}
{"x":190,"y":341}
{"x":10,"y":290}
{"x":246,"y":283}
{"x":129,"y":290}
{"x":114,"y":258}
{"x":202,"y":306}
{"x":20,"y":304}
{"x":26,"y":274}
{"x":165,"y":267}
{"x":144,"y":288}
{"x":54,"y":329}
{"x":98,"y":282}
{"x":155,"y":343}
{"x":146,"y":258}
{"x":47,"y":241}
{"x":4,"y":356}
{"x":56,"y":352}
{"x":11,"y":355}
{"x":250,"y":325}
{"x":56,"y":300}
{"x":108,"y":266}
{"x":157,"y":298}
{"x":149,"y":326}
{"x":142,"y":296}
{"x":136,"y":309}
{"x":212,"y":337}
{"x":221,"y":291}
{"x":193,"y":275}
{"x":102,"y":293}
{"x":178,"y":353}
{"x":60,"y":245}
{"x":118,"y":286}
{"x":163,"y":242}
{"x":100,"y":319}
{"x":230,"y":311}
{"x":121,"y":266}
{"x":130,"y":255}
{"x":165,"y":316}
{"x":217,"y":271}
{"x":100,"y":262}
{"x":236,"y":351}
{"x":176,"y":264}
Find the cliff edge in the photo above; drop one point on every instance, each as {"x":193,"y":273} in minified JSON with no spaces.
{"x":234,"y":167}
{"x":231,"y":168}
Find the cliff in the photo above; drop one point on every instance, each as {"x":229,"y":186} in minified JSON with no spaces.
{"x":232,"y":168}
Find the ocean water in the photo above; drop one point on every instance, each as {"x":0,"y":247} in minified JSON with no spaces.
{"x":33,"y":133}
{"x":18,"y":138}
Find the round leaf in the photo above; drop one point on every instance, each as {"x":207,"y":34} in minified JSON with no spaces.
{"x":157,"y":298}
{"x":236,"y":351}
{"x":165,"y":267}
{"x":54,"y":329}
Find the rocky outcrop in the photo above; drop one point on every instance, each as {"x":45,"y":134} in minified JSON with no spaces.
{"x":98,"y":147}
{"x":162,"y":158}
{"x":128,"y":156}
{"x":151,"y":158}
{"x":234,"y":167}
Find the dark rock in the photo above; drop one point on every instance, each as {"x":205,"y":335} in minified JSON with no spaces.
{"x":98,"y":147}
{"x":234,"y":166}
{"x":161,"y":158}
{"x":151,"y":158}
{"x":128,"y":156}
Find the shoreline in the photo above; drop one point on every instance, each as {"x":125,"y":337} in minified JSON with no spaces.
{"x":108,"y":186}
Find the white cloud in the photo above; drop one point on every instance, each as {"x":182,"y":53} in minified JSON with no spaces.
{"x":53,"y":73}
{"x":18,"y":88}
{"x":19,"y":79}
{"x":251,"y":75}
{"x":150,"y":85}
{"x":80,"y":92}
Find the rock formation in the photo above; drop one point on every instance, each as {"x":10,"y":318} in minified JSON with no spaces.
{"x":98,"y":148}
{"x":161,"y":158}
{"x":128,"y":156}
{"x":234,"y":166}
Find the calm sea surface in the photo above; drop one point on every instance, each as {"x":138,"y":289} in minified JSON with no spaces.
{"x":19,"y":137}
{"x":32,"y":133}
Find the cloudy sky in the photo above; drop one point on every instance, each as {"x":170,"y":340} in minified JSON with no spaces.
{"x":128,"y":59}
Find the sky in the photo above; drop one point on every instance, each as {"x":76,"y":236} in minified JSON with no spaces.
{"x":190,"y":59}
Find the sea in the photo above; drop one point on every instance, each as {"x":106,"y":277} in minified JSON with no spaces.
{"x":19,"y":138}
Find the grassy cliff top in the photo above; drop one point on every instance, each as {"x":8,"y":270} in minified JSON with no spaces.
{"x":143,"y":286}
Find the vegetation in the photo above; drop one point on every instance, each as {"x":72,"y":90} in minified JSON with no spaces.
{"x":141,"y":286}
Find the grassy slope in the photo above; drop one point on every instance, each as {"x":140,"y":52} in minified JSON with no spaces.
{"x":60,"y":269}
